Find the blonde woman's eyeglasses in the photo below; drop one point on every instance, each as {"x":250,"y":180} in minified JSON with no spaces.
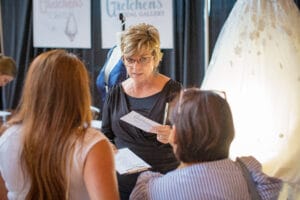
{"x":142,"y":60}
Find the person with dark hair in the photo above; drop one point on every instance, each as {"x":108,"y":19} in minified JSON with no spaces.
{"x":201,"y":135}
{"x":147,"y":92}
{"x":49,"y":150}
{"x":8,"y":70}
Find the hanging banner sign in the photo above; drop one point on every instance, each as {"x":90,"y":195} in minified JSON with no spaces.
{"x":156,"y":12}
{"x":62,"y":23}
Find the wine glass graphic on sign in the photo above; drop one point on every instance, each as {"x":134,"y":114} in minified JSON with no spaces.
{"x":71,"y":27}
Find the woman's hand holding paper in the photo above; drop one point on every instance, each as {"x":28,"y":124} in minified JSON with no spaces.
{"x":163,"y":132}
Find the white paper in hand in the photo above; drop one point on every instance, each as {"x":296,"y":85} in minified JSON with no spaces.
{"x":128,"y":162}
{"x":139,"y":121}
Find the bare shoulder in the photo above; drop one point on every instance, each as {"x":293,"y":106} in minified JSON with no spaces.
{"x":162,"y":80}
{"x":99,"y":172}
{"x":101,"y":148}
{"x":163,"y":77}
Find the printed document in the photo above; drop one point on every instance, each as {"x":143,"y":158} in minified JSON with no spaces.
{"x":128,"y":162}
{"x":139,"y":121}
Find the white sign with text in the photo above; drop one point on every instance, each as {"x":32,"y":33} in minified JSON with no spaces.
{"x":62,"y":24}
{"x":156,"y":12}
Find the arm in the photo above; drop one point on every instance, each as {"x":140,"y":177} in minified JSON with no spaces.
{"x":141,"y":189}
{"x":106,"y":127}
{"x":3,"y":190}
{"x":163,"y":131}
{"x":99,"y":172}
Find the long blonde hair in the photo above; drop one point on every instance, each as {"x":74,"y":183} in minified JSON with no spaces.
{"x":54,"y":111}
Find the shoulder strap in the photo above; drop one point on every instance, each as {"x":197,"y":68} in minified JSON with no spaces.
{"x":250,"y":183}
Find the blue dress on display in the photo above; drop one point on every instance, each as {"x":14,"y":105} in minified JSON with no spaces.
{"x":112,"y":73}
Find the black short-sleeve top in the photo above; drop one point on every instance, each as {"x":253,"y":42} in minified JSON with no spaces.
{"x":117,"y":104}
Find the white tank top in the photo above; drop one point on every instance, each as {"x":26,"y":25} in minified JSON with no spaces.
{"x":10,"y":149}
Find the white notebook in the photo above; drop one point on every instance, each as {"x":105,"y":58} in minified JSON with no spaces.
{"x":128,"y":162}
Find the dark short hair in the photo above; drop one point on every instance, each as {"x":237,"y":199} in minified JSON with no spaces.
{"x":204,"y":126}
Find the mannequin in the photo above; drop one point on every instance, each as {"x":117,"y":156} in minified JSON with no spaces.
{"x":112,"y":72}
{"x":256,"y":61}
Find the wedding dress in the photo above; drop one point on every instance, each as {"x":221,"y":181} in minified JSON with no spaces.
{"x":256,"y":61}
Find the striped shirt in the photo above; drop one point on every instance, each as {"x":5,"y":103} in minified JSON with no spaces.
{"x":214,"y":180}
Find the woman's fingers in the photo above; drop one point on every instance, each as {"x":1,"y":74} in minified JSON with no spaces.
{"x":162,"y":132}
